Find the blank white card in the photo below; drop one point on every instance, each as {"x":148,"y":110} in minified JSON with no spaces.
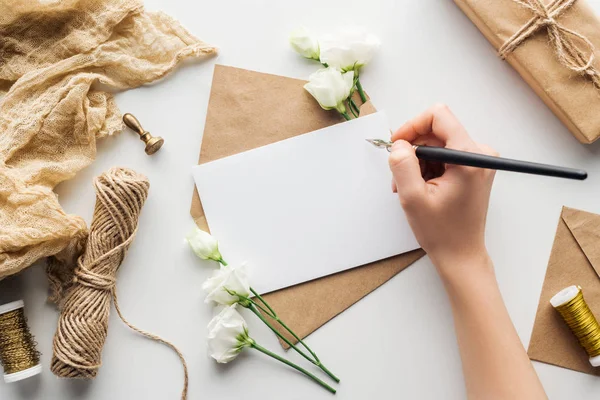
{"x":306,"y":207}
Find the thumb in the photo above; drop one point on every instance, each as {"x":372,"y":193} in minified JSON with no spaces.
{"x":407,"y":173}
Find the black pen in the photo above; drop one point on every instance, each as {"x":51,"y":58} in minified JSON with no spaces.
{"x":457,"y":157}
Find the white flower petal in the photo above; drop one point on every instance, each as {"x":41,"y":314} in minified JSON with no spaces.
{"x":330,"y":87}
{"x":204,"y":245}
{"x":305,"y":43}
{"x":350,"y":48}
{"x":226,"y":278}
{"x":227,"y":335}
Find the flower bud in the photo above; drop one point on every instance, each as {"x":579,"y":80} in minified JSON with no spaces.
{"x":305,"y":43}
{"x":204,"y":245}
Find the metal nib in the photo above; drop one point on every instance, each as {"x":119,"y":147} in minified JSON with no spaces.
{"x":379,"y":143}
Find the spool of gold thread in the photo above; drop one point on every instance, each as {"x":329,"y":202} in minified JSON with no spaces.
{"x":18,"y":355}
{"x":573,"y":309}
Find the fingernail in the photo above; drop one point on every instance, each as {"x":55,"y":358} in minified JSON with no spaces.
{"x":399,"y":144}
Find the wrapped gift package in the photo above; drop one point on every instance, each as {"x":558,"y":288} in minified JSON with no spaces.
{"x":551,"y":44}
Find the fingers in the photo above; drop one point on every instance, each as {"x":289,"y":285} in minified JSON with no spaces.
{"x":407,"y":173}
{"x":439,"y":122}
{"x":485,"y":149}
{"x":461,"y":172}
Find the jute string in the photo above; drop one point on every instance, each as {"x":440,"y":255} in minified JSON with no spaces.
{"x":561,"y":38}
{"x":83,"y":322}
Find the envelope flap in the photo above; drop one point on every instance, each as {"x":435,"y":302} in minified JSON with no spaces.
{"x":245,"y":111}
{"x":585,"y":228}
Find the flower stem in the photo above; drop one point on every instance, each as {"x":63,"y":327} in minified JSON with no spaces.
{"x":352,"y":110}
{"x":361,"y":92}
{"x":286,"y":340}
{"x":301,"y":342}
{"x":354,"y":107}
{"x":291,"y":364}
{"x":345,"y":115}
{"x":317,"y":361}
{"x":274,"y":316}
{"x":222,"y":262}
{"x":261,"y":308}
{"x":258,"y":296}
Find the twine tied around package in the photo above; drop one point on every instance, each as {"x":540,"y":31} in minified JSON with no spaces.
{"x":83,"y":322}
{"x":561,"y":38}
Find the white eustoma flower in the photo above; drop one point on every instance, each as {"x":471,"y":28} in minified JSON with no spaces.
{"x":330,"y":87}
{"x":204,"y":245}
{"x":305,"y":43}
{"x":349,"y":49}
{"x":227,"y":335}
{"x":226,"y":281}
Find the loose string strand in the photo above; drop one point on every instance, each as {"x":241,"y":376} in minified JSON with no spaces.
{"x":155,"y":338}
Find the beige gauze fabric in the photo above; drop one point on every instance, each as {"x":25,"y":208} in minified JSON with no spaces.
{"x":53,"y":56}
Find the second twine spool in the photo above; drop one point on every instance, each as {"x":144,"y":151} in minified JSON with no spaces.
{"x":573,"y":309}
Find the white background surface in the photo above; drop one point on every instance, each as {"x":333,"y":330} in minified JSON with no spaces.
{"x":331,"y":186}
{"x":396,"y":343}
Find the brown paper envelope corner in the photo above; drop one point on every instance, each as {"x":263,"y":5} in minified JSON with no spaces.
{"x":246,"y":111}
{"x":574,"y":260}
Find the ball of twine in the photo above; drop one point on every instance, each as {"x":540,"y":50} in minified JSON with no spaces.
{"x":83,"y":322}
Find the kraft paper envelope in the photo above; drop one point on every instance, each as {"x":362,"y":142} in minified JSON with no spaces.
{"x":575,"y":260}
{"x":250,"y":109}
{"x":306,"y":207}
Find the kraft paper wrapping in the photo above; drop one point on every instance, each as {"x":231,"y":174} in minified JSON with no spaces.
{"x":569,"y":95}
{"x":249,"y":109}
{"x":575,"y":260}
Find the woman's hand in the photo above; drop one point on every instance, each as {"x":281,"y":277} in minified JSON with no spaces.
{"x":447,"y":205}
{"x":446,"y":208}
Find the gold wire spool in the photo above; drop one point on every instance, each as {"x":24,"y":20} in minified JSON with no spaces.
{"x":573,"y":309}
{"x":18,"y":354}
